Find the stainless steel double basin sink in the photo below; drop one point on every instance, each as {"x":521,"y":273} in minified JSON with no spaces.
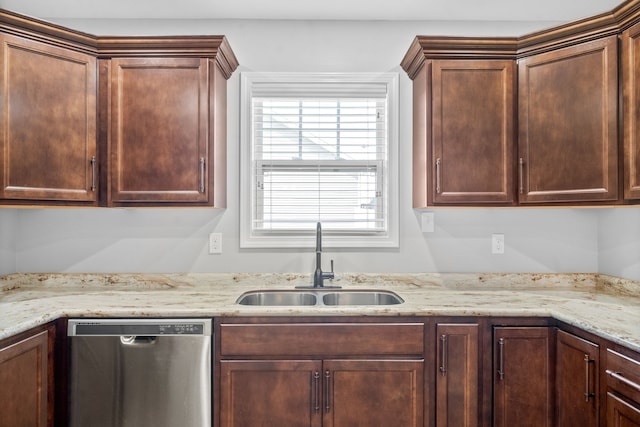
{"x":319,"y":297}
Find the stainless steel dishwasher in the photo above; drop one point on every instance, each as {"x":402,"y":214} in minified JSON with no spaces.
{"x":140,"y":372}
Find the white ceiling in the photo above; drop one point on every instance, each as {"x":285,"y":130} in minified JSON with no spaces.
{"x":412,"y":10}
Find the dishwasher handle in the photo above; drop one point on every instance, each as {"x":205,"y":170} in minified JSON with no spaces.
{"x":138,"y":340}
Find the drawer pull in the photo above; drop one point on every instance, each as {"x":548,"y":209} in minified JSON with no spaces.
{"x":202,"y":165}
{"x":443,"y":355}
{"x":316,"y":391}
{"x":327,"y":387}
{"x":587,"y":393}
{"x":93,"y":173}
{"x":521,"y":175}
{"x":438,"y":163}
{"x":501,"y":358}
{"x":618,"y":376}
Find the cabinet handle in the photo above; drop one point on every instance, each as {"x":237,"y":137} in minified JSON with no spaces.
{"x":316,"y":391}
{"x":327,"y":388}
{"x":93,"y":173}
{"x":443,"y":355}
{"x":501,"y":358}
{"x":618,"y":376}
{"x":438,"y":162}
{"x":521,"y":175}
{"x":587,"y":393}
{"x":202,"y":164}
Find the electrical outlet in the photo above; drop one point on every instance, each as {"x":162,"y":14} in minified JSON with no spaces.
{"x":428,"y":222}
{"x":497,"y":244}
{"x":215,"y":243}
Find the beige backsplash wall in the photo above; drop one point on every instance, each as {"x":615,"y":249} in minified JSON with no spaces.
{"x":175,"y":240}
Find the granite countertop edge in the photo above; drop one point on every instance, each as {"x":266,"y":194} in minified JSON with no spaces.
{"x":604,"y":305}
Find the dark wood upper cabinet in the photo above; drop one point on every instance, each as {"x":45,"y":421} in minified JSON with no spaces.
{"x":463,"y":123}
{"x":159,"y":149}
{"x":165,"y":100}
{"x":464,"y":152}
{"x":558,"y":142}
{"x":115,"y":121}
{"x":48,"y":123}
{"x":630,"y":59}
{"x":568,"y":124}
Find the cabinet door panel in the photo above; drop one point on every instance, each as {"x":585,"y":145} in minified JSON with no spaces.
{"x":631,"y":100}
{"x":160,"y":128}
{"x":621,"y":413}
{"x":522,"y":377}
{"x":457,"y":375}
{"x":270,"y":393}
{"x":23,"y":383}
{"x":473,"y":132}
{"x":48,"y":122}
{"x":372,"y":393}
{"x":577,"y":367}
{"x":568,"y":124}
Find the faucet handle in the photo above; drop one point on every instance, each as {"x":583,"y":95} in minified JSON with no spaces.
{"x":329,"y":275}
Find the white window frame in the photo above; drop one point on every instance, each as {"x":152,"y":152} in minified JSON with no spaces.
{"x":388,"y":238}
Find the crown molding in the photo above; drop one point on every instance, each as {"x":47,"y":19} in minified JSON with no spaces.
{"x":425,"y":48}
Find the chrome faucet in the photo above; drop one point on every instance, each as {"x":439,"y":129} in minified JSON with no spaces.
{"x":318,"y":275}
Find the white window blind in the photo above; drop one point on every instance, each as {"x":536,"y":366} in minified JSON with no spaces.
{"x":318,"y":151}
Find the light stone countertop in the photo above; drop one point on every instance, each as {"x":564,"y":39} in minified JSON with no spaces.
{"x":604,"y":305}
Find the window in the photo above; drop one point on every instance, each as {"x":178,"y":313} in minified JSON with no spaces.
{"x":319,"y":147}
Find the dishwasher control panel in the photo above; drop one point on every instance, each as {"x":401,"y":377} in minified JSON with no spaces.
{"x":146,"y":327}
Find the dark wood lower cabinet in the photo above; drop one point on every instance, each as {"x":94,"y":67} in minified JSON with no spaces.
{"x":270,"y":393}
{"x":522,"y":387}
{"x":329,"y":393}
{"x":623,"y":389}
{"x":372,"y":374}
{"x":324,"y":372}
{"x":457,"y":375}
{"x":577,"y":367}
{"x":23,"y":382}
{"x":373,"y":393}
{"x":621,"y":412}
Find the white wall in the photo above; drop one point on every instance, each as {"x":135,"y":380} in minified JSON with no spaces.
{"x":175,"y":240}
{"x":619,"y":242}
{"x":7,"y":241}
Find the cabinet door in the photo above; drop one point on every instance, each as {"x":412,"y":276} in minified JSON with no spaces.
{"x":522,"y":377}
{"x":473,"y":136}
{"x":160,"y":124}
{"x":373,"y":393}
{"x":631,"y":99}
{"x":577,"y":367}
{"x":623,"y":389}
{"x":622,"y":413}
{"x":457,"y":375}
{"x":48,"y":122}
{"x":270,"y":393}
{"x":568,"y":141}
{"x":23,"y":383}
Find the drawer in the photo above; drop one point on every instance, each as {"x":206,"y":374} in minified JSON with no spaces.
{"x":623,"y":374}
{"x":323,"y":339}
